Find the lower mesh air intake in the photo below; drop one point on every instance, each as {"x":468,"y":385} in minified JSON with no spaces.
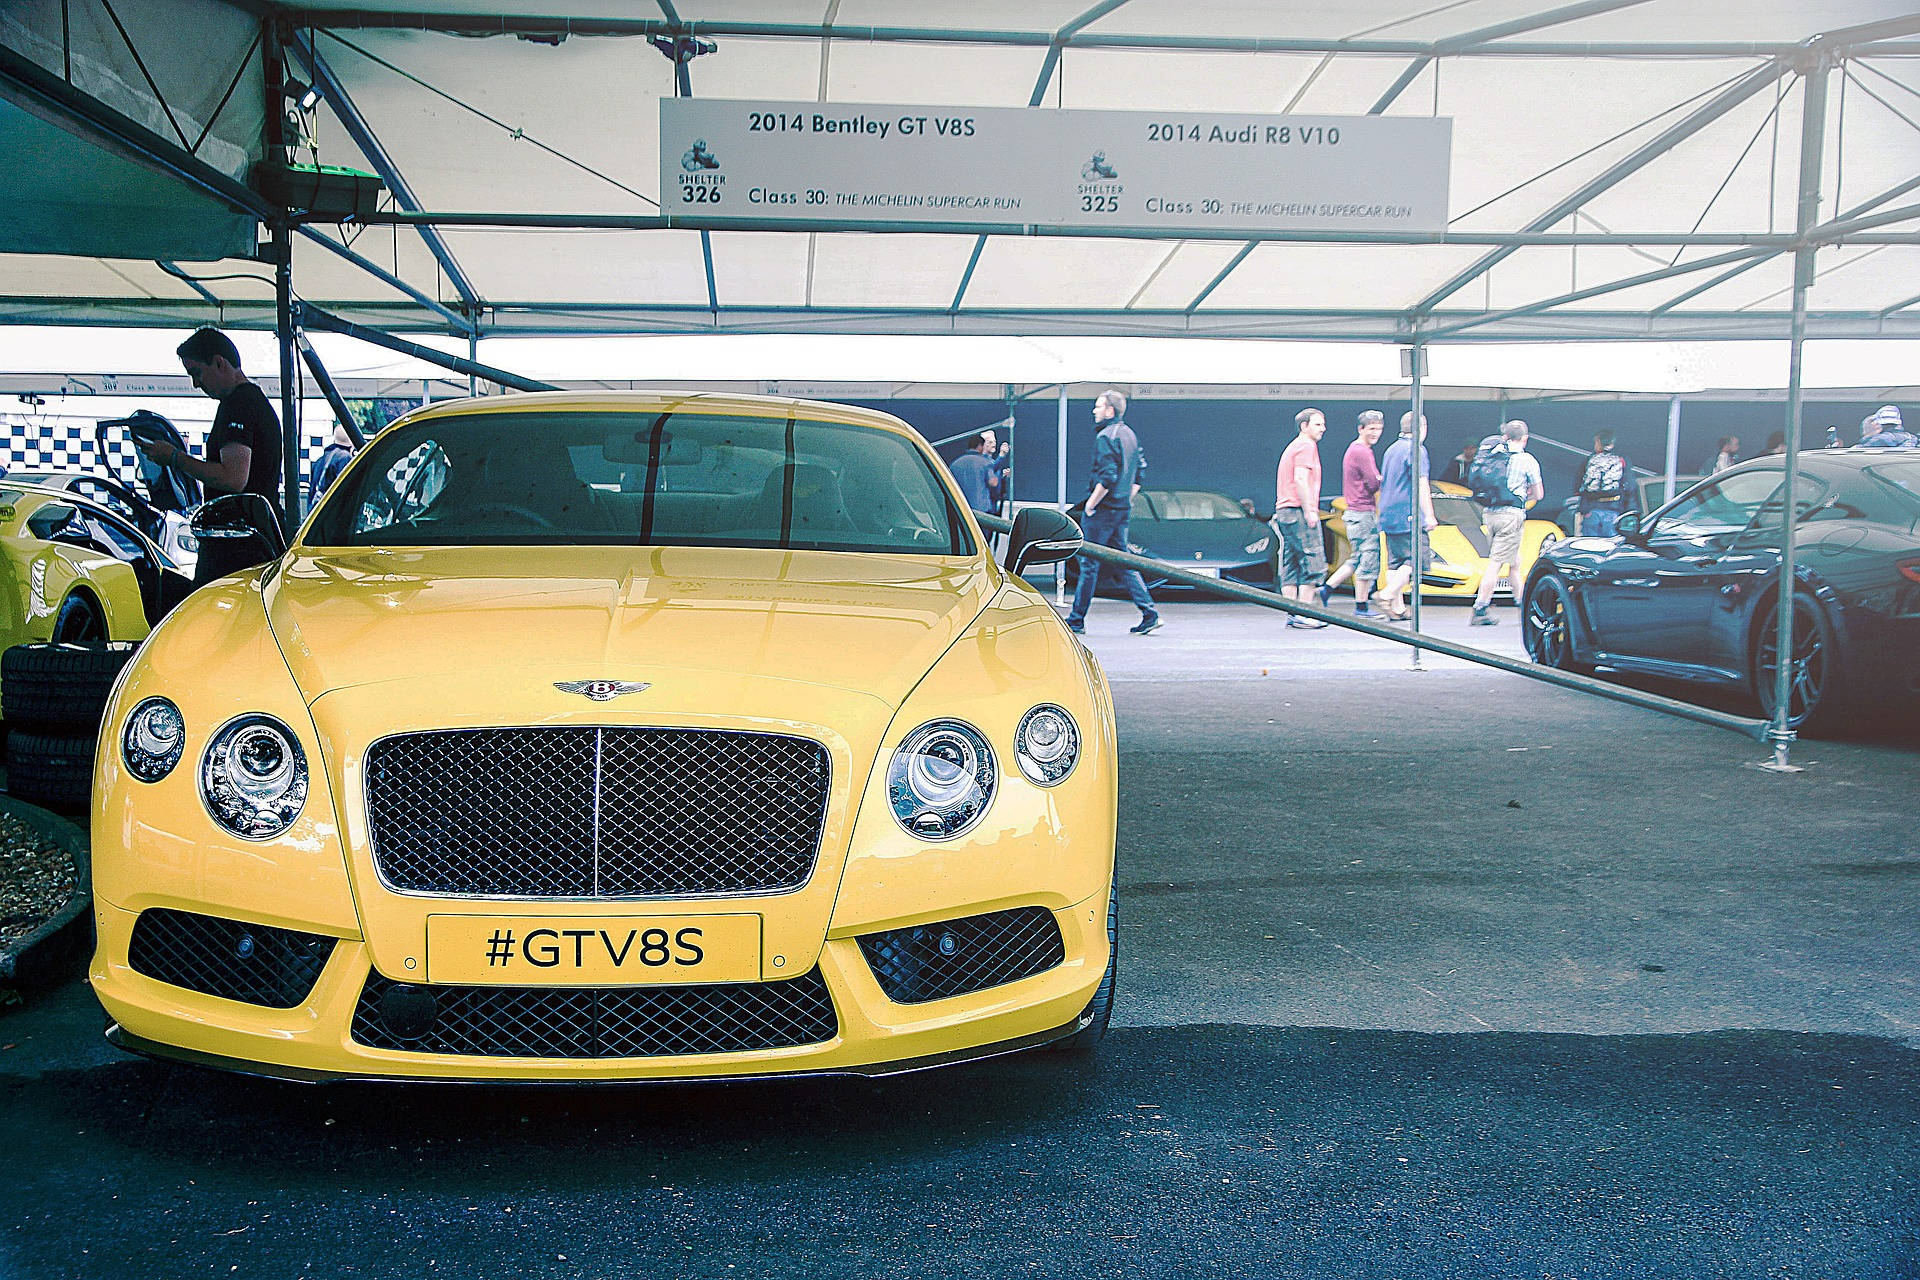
{"x":594,"y":1022}
{"x":934,"y":961}
{"x":253,"y":963}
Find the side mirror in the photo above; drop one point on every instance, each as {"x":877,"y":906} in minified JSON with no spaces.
{"x":236,"y":531}
{"x":240,"y":515}
{"x":1628,"y":526}
{"x":1041,"y":535}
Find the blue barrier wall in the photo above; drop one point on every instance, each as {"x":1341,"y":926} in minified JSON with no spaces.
{"x":1233,"y":446}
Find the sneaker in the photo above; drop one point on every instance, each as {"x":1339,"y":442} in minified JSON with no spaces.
{"x":1481,"y":618}
{"x":1322,"y":594}
{"x":1362,"y":611}
{"x":1305,"y":624}
{"x":1075,"y":627}
{"x":1147,"y":624}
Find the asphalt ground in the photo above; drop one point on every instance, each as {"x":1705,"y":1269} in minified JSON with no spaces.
{"x":1439,"y":973}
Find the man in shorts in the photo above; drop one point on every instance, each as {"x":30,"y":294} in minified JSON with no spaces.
{"x":1360,"y":485}
{"x":1506,"y":520}
{"x":1296,"y":513}
{"x":1397,"y":502}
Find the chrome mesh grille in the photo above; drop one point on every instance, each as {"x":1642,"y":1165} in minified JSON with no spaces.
{"x":596,"y":1022}
{"x":596,"y":813}
{"x":953,"y":957}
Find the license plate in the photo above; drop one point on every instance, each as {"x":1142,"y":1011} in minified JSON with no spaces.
{"x":582,"y":951}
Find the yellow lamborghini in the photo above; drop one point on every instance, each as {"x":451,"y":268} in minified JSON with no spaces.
{"x":1460,"y":544}
{"x":71,"y":569}
{"x":609,"y":737}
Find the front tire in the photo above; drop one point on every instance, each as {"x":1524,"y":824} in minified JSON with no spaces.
{"x":78,"y":621}
{"x":1546,"y":625}
{"x":1817,"y":700}
{"x":1099,"y":1010}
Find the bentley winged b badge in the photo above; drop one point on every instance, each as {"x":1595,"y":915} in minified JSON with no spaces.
{"x":601,"y":690}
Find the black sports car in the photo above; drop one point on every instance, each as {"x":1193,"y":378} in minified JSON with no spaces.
{"x":1689,"y":592}
{"x":1202,"y":532}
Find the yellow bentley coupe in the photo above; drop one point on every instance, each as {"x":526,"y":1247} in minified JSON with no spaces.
{"x":614,"y":737}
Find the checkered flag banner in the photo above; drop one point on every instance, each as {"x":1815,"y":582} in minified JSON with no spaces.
{"x":41,"y":443}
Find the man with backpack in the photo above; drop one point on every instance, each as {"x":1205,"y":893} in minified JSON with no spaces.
{"x":1603,"y":488}
{"x":1504,"y":479}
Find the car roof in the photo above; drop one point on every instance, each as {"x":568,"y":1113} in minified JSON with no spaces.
{"x":746,"y":406}
{"x":48,"y":493}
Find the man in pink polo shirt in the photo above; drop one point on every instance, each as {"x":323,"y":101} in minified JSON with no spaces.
{"x":1360,"y":485}
{"x":1296,"y":513}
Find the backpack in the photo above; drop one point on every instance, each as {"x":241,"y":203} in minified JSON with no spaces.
{"x":1604,"y":477}
{"x":1487,"y":476}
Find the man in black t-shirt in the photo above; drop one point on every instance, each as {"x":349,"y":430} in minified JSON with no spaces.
{"x":243,"y":448}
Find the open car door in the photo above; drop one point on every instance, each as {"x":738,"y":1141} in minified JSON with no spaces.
{"x":166,"y":488}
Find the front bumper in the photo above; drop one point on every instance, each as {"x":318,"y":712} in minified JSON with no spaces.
{"x":314,"y":1040}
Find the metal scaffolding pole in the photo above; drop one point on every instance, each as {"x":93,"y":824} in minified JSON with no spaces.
{"x":1673,"y":445}
{"x":1813,"y":116}
{"x":313,"y":317}
{"x":1417,"y":519}
{"x":281,"y":251}
{"x":330,"y":390}
{"x":1060,"y":490}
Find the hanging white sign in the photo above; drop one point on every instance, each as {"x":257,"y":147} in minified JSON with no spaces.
{"x":1008,"y":169}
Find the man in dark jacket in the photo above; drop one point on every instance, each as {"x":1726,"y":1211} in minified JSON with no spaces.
{"x":1117,"y":470}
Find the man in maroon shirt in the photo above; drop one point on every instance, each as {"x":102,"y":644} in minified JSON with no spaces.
{"x":1360,"y":485}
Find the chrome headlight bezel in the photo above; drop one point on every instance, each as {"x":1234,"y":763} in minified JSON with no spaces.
{"x":1046,"y":763}
{"x":941,"y":780}
{"x":146,"y":749}
{"x":261,"y":801}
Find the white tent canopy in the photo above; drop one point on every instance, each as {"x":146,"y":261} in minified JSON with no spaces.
{"x":1588,"y":139}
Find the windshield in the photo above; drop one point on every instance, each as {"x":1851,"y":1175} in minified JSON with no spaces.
{"x":1190,"y":504}
{"x":1903,"y":475}
{"x":650,"y":479}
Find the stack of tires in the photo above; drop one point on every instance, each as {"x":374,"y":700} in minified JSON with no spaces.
{"x":53,"y":696}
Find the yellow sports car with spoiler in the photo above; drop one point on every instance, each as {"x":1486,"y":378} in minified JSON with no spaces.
{"x":614,"y":737}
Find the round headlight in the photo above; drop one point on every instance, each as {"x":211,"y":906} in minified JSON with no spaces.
{"x":254,"y":777}
{"x":941,"y":779}
{"x":151,"y":743}
{"x":1047,"y":744}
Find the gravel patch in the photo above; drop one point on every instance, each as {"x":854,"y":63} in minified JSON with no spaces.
{"x":37,"y":877}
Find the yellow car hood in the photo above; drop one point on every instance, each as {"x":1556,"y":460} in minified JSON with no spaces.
{"x":502,"y":618}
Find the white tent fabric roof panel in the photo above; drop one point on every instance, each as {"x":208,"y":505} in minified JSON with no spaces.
{"x":1361,"y":277}
{"x":454,"y":159}
{"x":855,"y":270}
{"x":1183,"y":272}
{"x":93,"y":277}
{"x":1784,"y":21}
{"x":656,"y":267}
{"x":1095,"y":275}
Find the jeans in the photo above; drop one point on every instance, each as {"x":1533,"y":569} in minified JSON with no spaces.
{"x":1598,"y":522}
{"x":1105,"y":528}
{"x":1303,"y":558}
